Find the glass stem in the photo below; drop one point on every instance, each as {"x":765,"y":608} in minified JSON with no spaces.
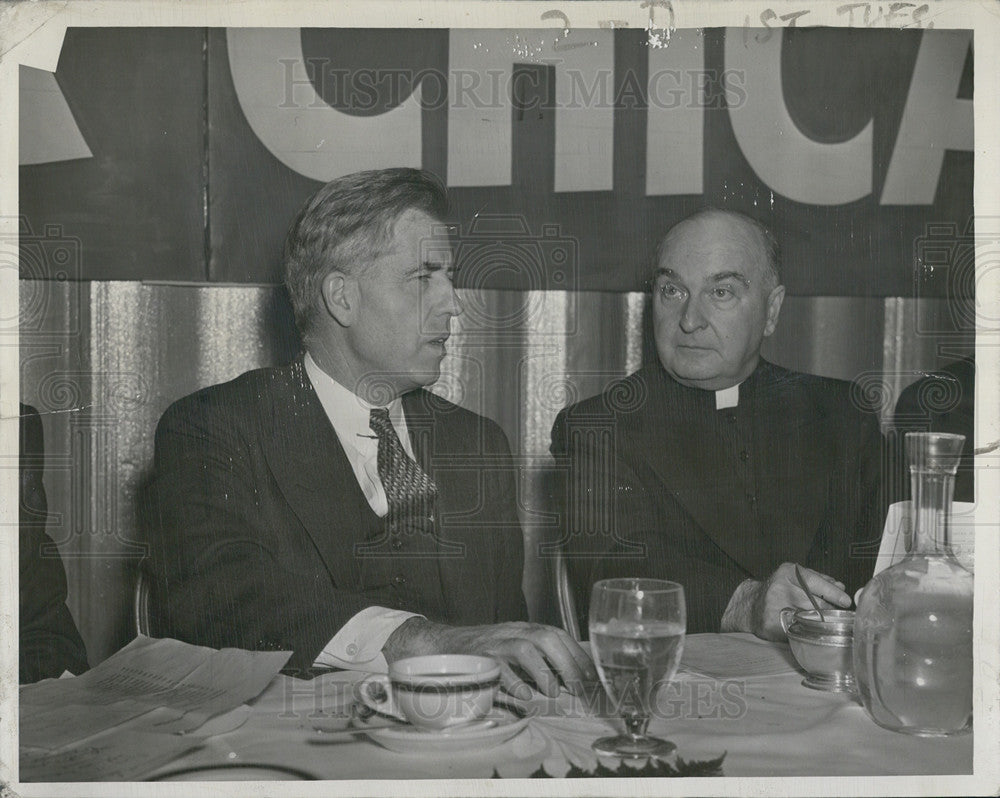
{"x":635,"y":725}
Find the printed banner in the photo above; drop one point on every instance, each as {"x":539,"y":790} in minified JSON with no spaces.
{"x":567,"y":152}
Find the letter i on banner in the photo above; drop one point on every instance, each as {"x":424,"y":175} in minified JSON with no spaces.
{"x":675,"y":117}
{"x":481,"y":66}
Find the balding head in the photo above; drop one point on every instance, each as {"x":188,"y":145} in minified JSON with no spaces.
{"x":717,"y":295}
{"x":759,"y":240}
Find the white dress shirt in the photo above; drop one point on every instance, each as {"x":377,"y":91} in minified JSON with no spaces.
{"x":358,"y":643}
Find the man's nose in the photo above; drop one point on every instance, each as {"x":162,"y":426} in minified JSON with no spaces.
{"x":442,"y":300}
{"x":454,"y":302}
{"x":692,"y":318}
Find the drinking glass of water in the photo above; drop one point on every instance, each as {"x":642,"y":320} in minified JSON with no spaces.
{"x":637,"y":638}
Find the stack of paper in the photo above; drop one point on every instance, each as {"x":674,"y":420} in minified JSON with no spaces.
{"x":125,"y":717}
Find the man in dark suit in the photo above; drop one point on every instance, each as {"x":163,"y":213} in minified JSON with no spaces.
{"x":49,"y":642}
{"x":712,"y":467}
{"x":332,"y":507}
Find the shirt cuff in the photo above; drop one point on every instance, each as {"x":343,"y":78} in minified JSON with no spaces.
{"x":358,"y":644}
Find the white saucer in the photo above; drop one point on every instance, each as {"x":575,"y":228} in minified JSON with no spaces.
{"x":407,"y":739}
{"x":234,"y":772}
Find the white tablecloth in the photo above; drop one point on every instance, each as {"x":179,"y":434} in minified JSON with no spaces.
{"x":767,"y":725}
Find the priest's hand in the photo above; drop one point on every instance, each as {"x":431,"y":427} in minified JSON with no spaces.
{"x":756,"y":605}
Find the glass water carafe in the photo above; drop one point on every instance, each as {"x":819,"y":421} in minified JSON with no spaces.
{"x":913,"y":626}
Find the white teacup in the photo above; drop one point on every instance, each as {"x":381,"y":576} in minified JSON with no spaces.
{"x":436,"y":691}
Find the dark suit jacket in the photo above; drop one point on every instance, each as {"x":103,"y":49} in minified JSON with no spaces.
{"x":658,"y":483}
{"x":49,"y":642}
{"x":263,"y":538}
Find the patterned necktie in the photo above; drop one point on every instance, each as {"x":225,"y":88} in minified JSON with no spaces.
{"x":409,"y":490}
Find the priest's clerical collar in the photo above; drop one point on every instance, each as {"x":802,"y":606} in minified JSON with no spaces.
{"x":727,"y":397}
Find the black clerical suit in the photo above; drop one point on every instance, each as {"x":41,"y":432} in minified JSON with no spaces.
{"x":656,"y":482}
{"x":262,"y":537}
{"x":49,"y":642}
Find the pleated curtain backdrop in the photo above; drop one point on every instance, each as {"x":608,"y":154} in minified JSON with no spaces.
{"x":102,"y":360}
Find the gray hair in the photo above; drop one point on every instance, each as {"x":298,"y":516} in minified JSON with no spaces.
{"x":344,"y":225}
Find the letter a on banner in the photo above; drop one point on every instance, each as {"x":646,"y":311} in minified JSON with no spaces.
{"x":783,"y":157}
{"x":934,"y":120}
{"x":298,"y":127}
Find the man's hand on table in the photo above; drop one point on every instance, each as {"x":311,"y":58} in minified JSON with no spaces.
{"x":756,"y":606}
{"x":527,"y":652}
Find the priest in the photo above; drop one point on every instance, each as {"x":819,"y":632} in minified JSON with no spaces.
{"x":713,"y":467}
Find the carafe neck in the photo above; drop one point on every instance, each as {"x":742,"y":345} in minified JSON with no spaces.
{"x":933,"y":459}
{"x":932,"y":492}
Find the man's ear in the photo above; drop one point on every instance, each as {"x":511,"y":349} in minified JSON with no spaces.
{"x":340,"y":296}
{"x":774,"y":301}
